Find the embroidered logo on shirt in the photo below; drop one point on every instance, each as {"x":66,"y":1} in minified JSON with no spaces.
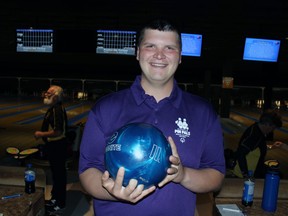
{"x":183,"y":129}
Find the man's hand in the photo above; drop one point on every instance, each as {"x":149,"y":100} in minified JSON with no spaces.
{"x":37,"y":135}
{"x":176,"y":172}
{"x":131,"y":193}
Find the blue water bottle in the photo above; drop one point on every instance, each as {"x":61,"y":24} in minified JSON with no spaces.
{"x":248,"y":190}
{"x":30,"y":178}
{"x":270,"y":191}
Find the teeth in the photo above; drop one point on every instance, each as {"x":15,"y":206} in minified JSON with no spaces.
{"x":158,"y":65}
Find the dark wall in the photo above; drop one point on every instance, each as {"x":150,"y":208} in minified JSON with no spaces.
{"x":224,"y":25}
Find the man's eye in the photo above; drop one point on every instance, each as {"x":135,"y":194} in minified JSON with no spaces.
{"x":170,"y":48}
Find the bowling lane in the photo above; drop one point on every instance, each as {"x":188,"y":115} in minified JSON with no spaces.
{"x":15,"y":109}
{"x":75,"y":114}
{"x":17,"y":128}
{"x":249,"y":116}
{"x":254,"y":114}
{"x":241,"y":118}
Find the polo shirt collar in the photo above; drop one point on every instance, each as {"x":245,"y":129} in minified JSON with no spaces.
{"x":140,"y":96}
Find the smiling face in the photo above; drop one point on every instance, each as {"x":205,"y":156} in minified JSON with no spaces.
{"x":159,"y":55}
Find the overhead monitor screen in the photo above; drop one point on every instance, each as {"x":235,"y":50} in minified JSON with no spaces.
{"x":34,"y":40}
{"x":116,"y":42}
{"x":191,"y":44}
{"x":261,"y":49}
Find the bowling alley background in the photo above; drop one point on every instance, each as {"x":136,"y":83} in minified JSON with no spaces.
{"x":239,"y":89}
{"x":22,"y":111}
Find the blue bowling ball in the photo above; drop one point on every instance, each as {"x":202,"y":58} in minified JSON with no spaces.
{"x":142,"y":150}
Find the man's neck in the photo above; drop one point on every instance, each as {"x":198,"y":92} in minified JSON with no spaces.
{"x":158,"y":90}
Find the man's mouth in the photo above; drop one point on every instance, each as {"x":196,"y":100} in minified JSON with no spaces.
{"x":158,"y":65}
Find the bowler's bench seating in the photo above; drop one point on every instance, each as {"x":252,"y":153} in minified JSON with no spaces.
{"x":14,"y":175}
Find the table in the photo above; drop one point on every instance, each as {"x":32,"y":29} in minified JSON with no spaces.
{"x":256,"y":210}
{"x":25,"y":205}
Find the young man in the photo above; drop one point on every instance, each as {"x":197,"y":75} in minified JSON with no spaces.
{"x":252,"y":148}
{"x":198,"y":163}
{"x":53,"y":134}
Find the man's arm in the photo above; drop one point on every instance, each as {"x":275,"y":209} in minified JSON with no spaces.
{"x":196,"y":180}
{"x":241,"y":159}
{"x":203,"y":180}
{"x":50,"y":133}
{"x":91,"y":181}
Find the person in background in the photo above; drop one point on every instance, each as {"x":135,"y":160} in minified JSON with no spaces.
{"x":53,"y":132}
{"x":252,"y":147}
{"x":189,"y":122}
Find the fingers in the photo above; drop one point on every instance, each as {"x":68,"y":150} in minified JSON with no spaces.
{"x":139,"y":193}
{"x":171,"y":175}
{"x":107,"y":182}
{"x":175,"y":163}
{"x":119,"y":179}
{"x":146,"y":192}
{"x":37,"y":135}
{"x":131,"y":193}
{"x":133,"y":190}
{"x":174,"y":158}
{"x":173,"y":146}
{"x":162,"y":183}
{"x":176,"y":172}
{"x":105,"y":176}
{"x":113,"y":187}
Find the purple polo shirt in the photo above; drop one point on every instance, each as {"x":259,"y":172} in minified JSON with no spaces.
{"x":189,"y":119}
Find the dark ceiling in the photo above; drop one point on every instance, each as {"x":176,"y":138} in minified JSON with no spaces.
{"x":224,"y":25}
